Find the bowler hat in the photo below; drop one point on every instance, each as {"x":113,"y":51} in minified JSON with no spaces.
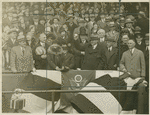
{"x":12,"y":30}
{"x":93,"y":37}
{"x":110,"y":38}
{"x":128,"y":21}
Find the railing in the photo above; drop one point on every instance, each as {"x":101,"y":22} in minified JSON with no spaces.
{"x":139,"y":91}
{"x":140,"y":95}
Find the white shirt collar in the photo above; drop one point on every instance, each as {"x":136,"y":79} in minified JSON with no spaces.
{"x":110,"y":48}
{"x":94,"y":47}
{"x":102,"y":39}
{"x":132,"y":50}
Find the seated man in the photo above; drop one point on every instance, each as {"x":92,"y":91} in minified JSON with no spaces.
{"x":54,"y":56}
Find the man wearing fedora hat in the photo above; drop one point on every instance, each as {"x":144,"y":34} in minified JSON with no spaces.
{"x":82,"y":23}
{"x":140,"y":44}
{"x":41,"y":58}
{"x":10,"y":43}
{"x":110,"y":54}
{"x":79,"y":47}
{"x":129,"y":26}
{"x":113,"y":32}
{"x":93,"y":56}
{"x":21,"y":57}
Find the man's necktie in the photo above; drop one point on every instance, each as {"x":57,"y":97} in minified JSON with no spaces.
{"x":23,"y":51}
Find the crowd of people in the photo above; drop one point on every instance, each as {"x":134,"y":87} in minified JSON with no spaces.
{"x":82,"y":36}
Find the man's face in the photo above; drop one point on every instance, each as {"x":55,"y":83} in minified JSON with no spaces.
{"x":43,"y":38}
{"x":147,"y":42}
{"x":131,"y":44}
{"x":63,"y":33}
{"x":42,"y":22}
{"x":93,"y":42}
{"x":13,"y":35}
{"x":122,"y":24}
{"x":128,"y":25}
{"x":22,"y":43}
{"x":76,"y":36}
{"x":139,"y":38}
{"x":28,"y":37}
{"x":125,"y":39}
{"x":55,"y":21}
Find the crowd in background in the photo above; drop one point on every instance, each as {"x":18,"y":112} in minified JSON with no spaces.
{"x":59,"y":34}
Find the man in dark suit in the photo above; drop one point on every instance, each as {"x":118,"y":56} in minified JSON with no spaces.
{"x":54,"y":56}
{"x":110,"y":54}
{"x":93,"y":56}
{"x":40,"y":53}
{"x":146,"y":54}
{"x":21,"y":57}
{"x":68,"y":58}
{"x":133,"y":61}
{"x":140,"y":44}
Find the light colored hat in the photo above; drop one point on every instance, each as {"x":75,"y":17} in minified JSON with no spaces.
{"x":40,"y":50}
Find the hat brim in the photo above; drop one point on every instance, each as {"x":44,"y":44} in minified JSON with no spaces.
{"x":12,"y":31}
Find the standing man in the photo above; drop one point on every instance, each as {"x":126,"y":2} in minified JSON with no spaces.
{"x":21,"y":57}
{"x":146,"y":54}
{"x":10,"y":43}
{"x":110,"y":55}
{"x":40,"y":53}
{"x":133,"y":61}
{"x":93,"y":56}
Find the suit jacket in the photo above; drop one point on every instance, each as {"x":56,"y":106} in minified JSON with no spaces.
{"x":40,"y":63}
{"x":146,"y":54}
{"x":140,"y":47}
{"x":135,"y":63}
{"x":54,"y":60}
{"x":20,"y":62}
{"x":93,"y":58}
{"x":111,"y":58}
{"x":10,"y":44}
{"x":68,"y":60}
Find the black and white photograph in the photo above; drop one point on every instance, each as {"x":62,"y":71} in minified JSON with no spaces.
{"x":75,"y":57}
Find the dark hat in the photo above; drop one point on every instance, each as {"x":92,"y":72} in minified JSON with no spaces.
{"x":51,"y":36}
{"x":94,"y":37}
{"x":81,"y":20}
{"x":128,"y":21}
{"x":82,"y":31}
{"x":61,"y":30}
{"x":110,"y":38}
{"x":12,"y":30}
{"x":137,"y":29}
{"x":42,"y":18}
{"x":92,"y":15}
{"x":108,"y":18}
{"x":122,"y":20}
{"x":55,"y":49}
{"x":146,"y":36}
{"x":111,"y":24}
